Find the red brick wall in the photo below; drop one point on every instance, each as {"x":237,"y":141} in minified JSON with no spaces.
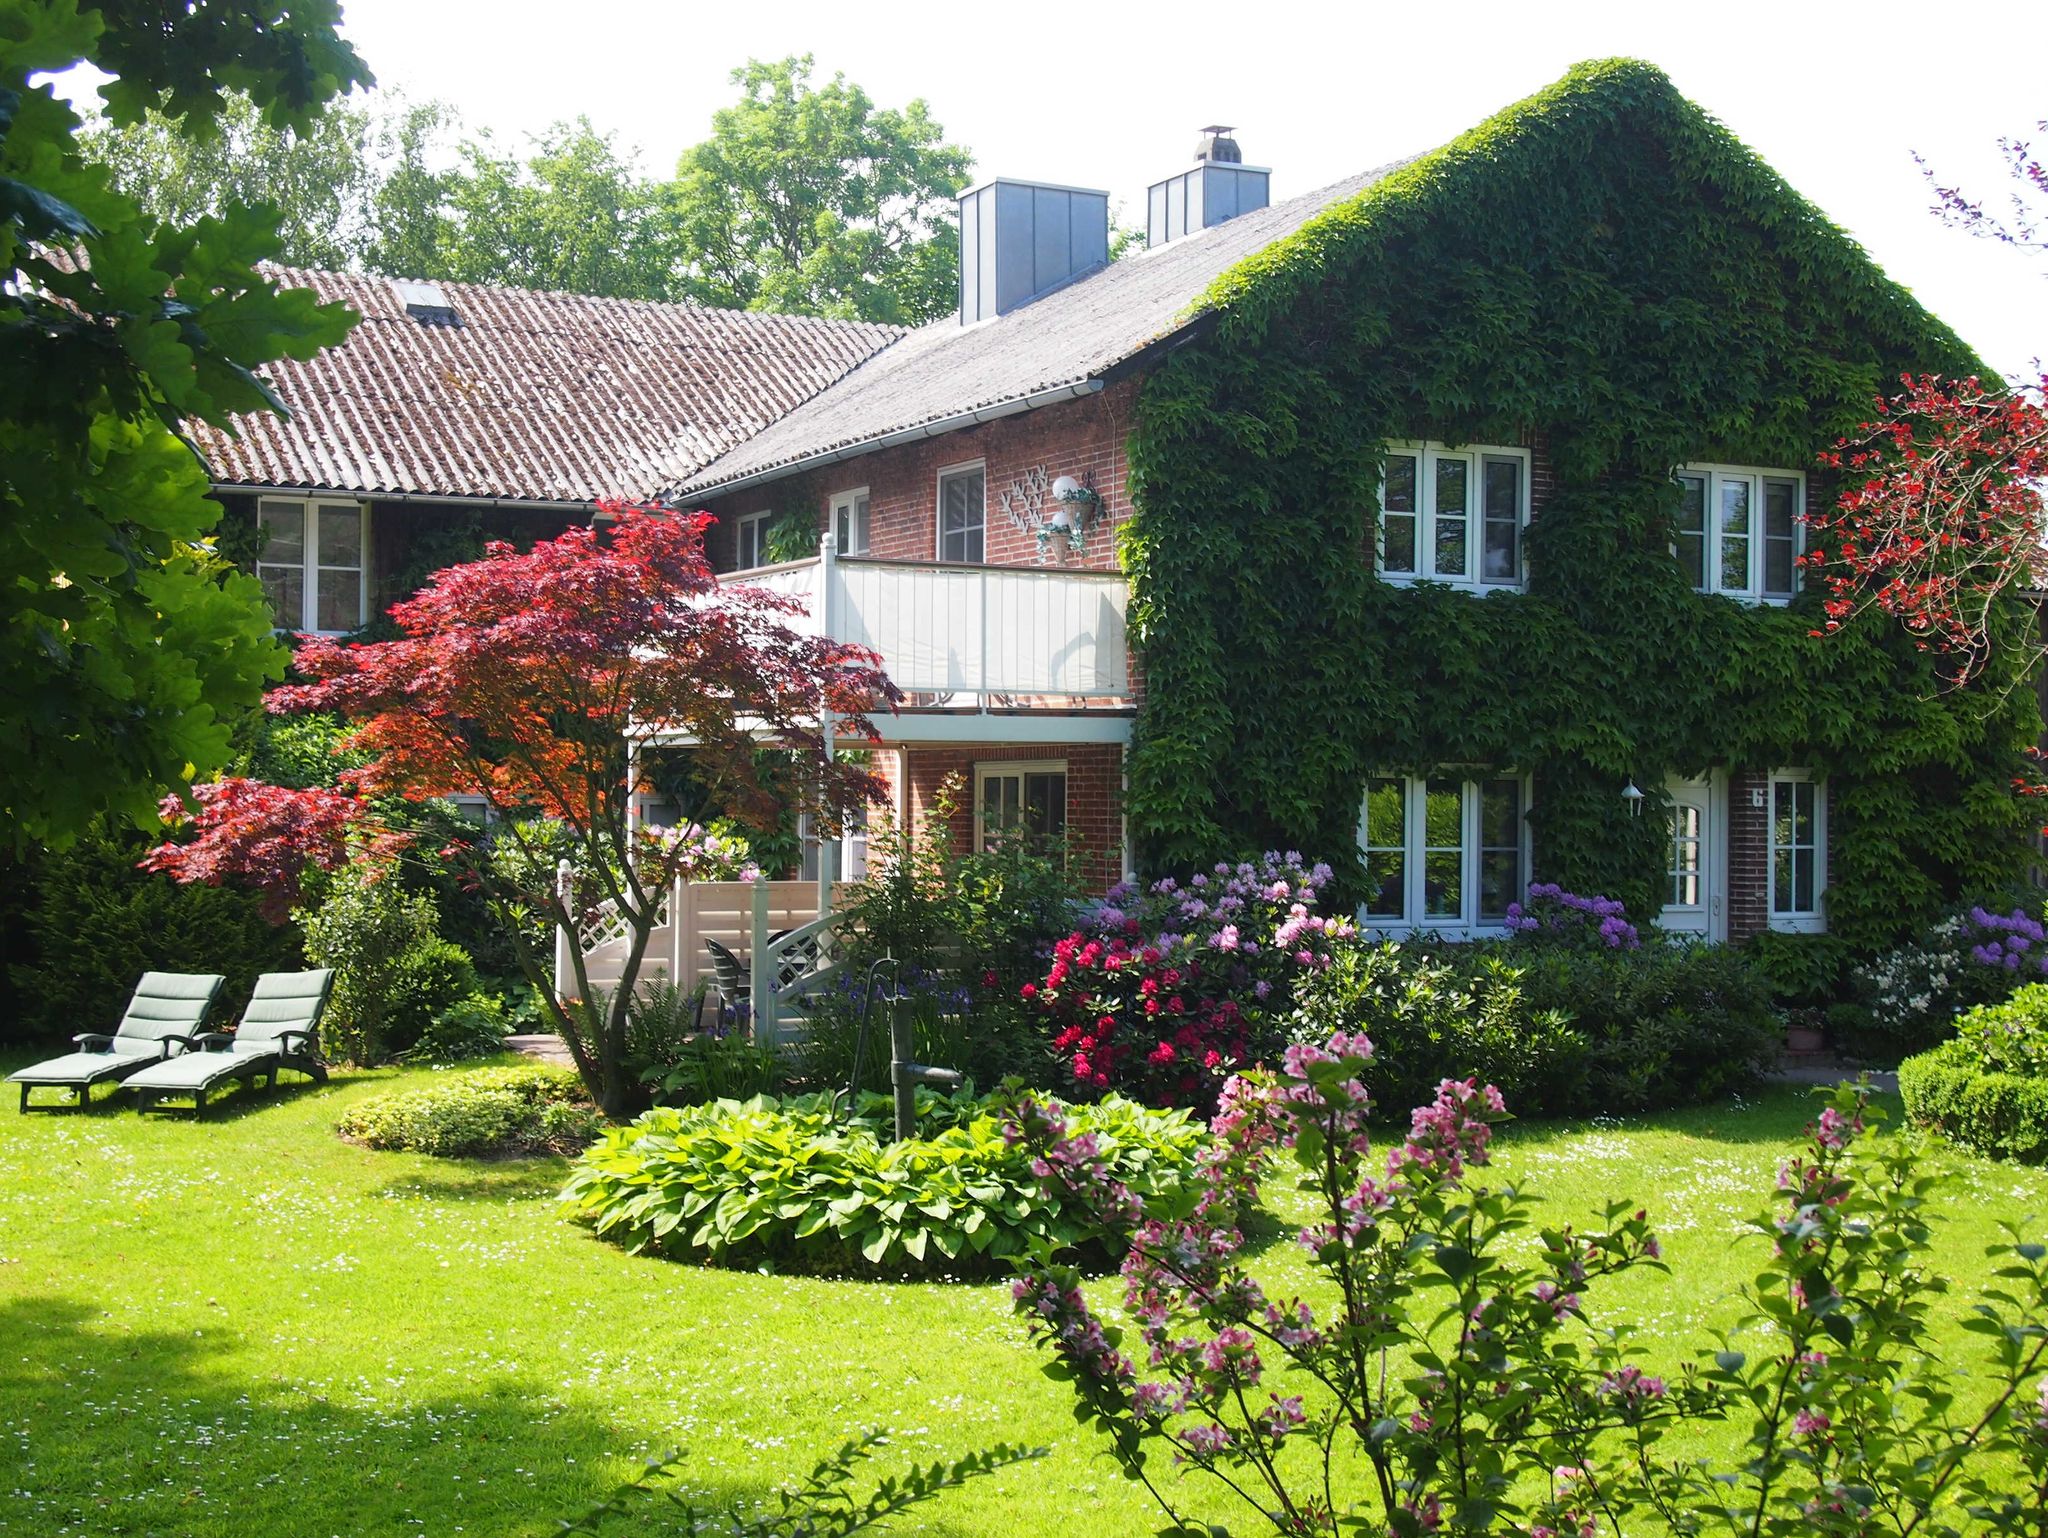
{"x":1095,"y":831}
{"x":1083,"y":438}
{"x":1748,"y":854}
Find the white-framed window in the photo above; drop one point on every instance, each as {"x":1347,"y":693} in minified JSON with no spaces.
{"x":1797,"y":870}
{"x":852,"y":841}
{"x":1443,"y":852}
{"x":1685,"y":889}
{"x":1739,"y":530}
{"x":313,"y":563}
{"x":1453,"y":515}
{"x":750,"y":540}
{"x":850,"y":521}
{"x":1029,"y":797}
{"x":963,"y":513}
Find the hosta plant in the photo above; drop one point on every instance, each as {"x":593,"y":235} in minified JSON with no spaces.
{"x":1449,"y":1376}
{"x":791,"y":1184}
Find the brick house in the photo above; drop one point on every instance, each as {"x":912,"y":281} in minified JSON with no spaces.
{"x":966,"y":484}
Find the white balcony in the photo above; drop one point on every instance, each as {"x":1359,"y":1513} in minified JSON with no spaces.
{"x":972,"y":639}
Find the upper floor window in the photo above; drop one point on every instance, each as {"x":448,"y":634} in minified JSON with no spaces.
{"x":850,"y":522}
{"x":963,"y":499}
{"x":750,"y":541}
{"x":311,"y":563}
{"x":1738,"y":530}
{"x":1453,"y":515}
{"x":1798,"y":872}
{"x":1443,"y":853}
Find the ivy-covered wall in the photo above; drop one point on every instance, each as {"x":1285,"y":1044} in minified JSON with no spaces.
{"x":1606,"y":267}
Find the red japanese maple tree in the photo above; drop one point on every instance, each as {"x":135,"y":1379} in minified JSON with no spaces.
{"x":1940,"y":516}
{"x":517,"y":679}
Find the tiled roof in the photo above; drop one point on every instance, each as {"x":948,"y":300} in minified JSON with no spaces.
{"x":946,"y":370}
{"x":529,"y":396}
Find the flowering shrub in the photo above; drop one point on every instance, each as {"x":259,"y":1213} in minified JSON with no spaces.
{"x":1172,"y":987}
{"x":1450,"y":1377}
{"x":1551,"y":914}
{"x":1915,"y":992}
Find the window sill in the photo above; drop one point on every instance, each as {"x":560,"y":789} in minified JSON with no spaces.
{"x":1748,"y":600}
{"x":1386,"y":929}
{"x":1797,"y":924}
{"x":1455,"y":584}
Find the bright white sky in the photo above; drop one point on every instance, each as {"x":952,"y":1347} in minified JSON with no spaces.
{"x":1102,"y":94}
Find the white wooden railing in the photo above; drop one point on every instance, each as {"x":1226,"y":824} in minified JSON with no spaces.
{"x":773,"y":926}
{"x":967,"y":631}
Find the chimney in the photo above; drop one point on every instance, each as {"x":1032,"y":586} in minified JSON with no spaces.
{"x":1020,"y":240}
{"x":1220,"y":187}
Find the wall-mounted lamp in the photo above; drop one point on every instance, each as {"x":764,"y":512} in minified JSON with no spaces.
{"x":1075,"y":506}
{"x":1632,"y":798}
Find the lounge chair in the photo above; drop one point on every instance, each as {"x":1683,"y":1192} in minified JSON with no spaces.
{"x":168,"y":1007}
{"x":279,"y":1030}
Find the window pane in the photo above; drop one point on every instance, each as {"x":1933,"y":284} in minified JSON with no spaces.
{"x":1503,"y":507}
{"x":285,"y":586}
{"x":1686,"y":844}
{"x":1692,"y":529}
{"x":1451,"y":503}
{"x":960,"y":513}
{"x":1398,"y":543}
{"x":338,"y":604}
{"x":1001,"y":797}
{"x":1781,"y":881}
{"x":1736,"y":514}
{"x":1397,"y":515}
{"x":284,"y":529}
{"x":1500,"y":846}
{"x":341,"y":537}
{"x":1045,"y":806}
{"x":1780,"y":503}
{"x":1386,"y":849}
{"x":1443,"y":856}
{"x":1400,"y":492}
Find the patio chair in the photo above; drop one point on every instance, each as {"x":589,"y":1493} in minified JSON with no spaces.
{"x":165,"y":1012}
{"x":735,"y":982}
{"x":279,"y":1030}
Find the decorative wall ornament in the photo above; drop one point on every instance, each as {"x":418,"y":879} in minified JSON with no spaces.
{"x":1050,"y":510}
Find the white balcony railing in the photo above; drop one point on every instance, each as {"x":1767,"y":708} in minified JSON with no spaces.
{"x":973,"y":631}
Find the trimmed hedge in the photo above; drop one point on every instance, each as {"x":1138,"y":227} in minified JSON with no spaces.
{"x":787,"y":1185}
{"x":485,"y":1113}
{"x":1986,"y":1109}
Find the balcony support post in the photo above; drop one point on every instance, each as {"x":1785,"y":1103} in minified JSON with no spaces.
{"x":828,"y":578}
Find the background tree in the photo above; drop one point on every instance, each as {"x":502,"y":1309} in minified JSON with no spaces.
{"x":574,"y":214}
{"x":811,"y":199}
{"x":128,"y":647}
{"x":515,"y":679}
{"x":1940,"y":521}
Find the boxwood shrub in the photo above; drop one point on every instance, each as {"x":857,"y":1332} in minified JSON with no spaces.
{"x":785,"y":1183}
{"x":481,"y":1113}
{"x":1988,"y":1088}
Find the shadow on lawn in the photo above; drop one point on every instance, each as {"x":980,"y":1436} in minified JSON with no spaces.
{"x":1778,"y":1114}
{"x":119,"y":1432}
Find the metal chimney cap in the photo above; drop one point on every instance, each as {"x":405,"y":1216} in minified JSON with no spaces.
{"x":1217,"y":146}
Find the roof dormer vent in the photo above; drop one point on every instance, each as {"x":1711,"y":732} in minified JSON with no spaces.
{"x":1020,"y":240}
{"x":425,"y":302}
{"x":1221,"y":186}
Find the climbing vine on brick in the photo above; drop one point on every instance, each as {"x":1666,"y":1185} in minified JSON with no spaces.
{"x":1605,"y":270}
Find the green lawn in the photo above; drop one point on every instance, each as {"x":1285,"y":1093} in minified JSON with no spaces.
{"x":245,"y":1326}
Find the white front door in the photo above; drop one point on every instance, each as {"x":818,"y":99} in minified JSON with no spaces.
{"x":1695,"y":857}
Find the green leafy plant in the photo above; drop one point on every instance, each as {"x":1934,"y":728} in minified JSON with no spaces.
{"x":824,"y":1505}
{"x":480,"y":1113}
{"x":789,"y":1184}
{"x":1459,"y":1012}
{"x":393,"y":975}
{"x":471,"y":1028}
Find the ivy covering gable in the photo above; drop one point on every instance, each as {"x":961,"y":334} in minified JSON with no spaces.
{"x":1605,"y":270}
